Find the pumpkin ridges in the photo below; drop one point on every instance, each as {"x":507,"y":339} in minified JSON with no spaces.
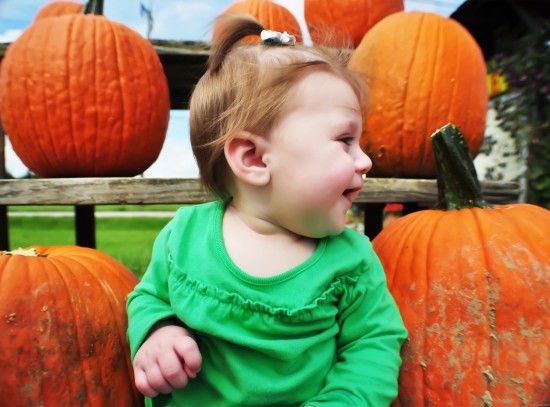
{"x":422,"y":311}
{"x":90,"y":332}
{"x":85,"y":135}
{"x":538,"y":239}
{"x":156,"y":86}
{"x":428,"y":32}
{"x":68,"y":154}
{"x":58,"y":8}
{"x":12,"y":87}
{"x":395,"y":124}
{"x":353,"y":18}
{"x":49,"y":94}
{"x":409,"y":106}
{"x":45,"y":138}
{"x":404,"y":254}
{"x":135,"y":79}
{"x":483,"y":338}
{"x":121,"y":111}
{"x":476,"y":107}
{"x":115,"y":305}
{"x":37,"y":369}
{"x":83,"y":42}
{"x":34,"y":104}
{"x":113,"y":106}
{"x":430,"y":305}
{"x":100,"y":334}
{"x":469,"y":296}
{"x":150,"y":96}
{"x":514,"y":276}
{"x":58,"y":119}
{"x":65,"y":271}
{"x":435,"y":116}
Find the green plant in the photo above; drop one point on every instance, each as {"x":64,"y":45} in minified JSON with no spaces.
{"x":524,"y":110}
{"x":129,"y":240}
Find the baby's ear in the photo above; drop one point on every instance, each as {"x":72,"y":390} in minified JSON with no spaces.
{"x":244,"y":153}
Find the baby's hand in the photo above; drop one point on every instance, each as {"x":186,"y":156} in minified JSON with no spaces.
{"x":167,"y":359}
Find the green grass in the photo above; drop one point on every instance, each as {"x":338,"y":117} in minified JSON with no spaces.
{"x":129,"y":240}
{"x":98,"y":208}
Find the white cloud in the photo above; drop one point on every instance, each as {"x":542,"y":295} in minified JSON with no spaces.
{"x":13,"y":164}
{"x":176,"y":158}
{"x":445,"y":9}
{"x":10,"y":35}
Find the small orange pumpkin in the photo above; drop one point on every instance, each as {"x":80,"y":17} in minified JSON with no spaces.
{"x":64,"y":325}
{"x":348,"y":21}
{"x":81,"y":95}
{"x":422,"y":71}
{"x":271,"y":15}
{"x":59,"y":8}
{"x":472,"y":283}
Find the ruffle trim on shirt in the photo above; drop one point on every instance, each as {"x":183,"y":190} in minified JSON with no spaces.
{"x":316,"y":309}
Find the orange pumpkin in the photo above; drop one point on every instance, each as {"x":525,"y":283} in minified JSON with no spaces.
{"x":64,"y":324}
{"x":472,"y":283}
{"x":422,"y":71}
{"x":346,"y":21}
{"x":59,"y":8}
{"x":271,"y":15}
{"x":81,"y":95}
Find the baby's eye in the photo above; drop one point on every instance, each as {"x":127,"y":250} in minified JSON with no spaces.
{"x":346,"y":139}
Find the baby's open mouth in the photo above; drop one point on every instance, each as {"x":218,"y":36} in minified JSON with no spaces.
{"x":351,"y":194}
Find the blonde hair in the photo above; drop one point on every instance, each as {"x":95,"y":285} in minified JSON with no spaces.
{"x":245,"y":88}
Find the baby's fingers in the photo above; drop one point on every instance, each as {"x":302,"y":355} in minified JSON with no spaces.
{"x":172,"y":370}
{"x":190,"y":355}
{"x":142,"y":384}
{"x":152,"y":382}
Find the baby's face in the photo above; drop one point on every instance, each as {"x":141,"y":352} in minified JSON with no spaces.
{"x":316,"y":163}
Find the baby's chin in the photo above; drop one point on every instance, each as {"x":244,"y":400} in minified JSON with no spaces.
{"x":328,"y":232}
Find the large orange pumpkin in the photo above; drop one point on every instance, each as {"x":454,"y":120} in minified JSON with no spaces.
{"x":81,"y":95}
{"x":271,"y":15}
{"x":63,"y":334}
{"x":345,"y":20}
{"x":422,"y":71}
{"x":59,"y":8}
{"x":472,"y":283}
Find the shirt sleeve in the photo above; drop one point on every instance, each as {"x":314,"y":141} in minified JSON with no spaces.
{"x":369,"y":344}
{"x":149,"y":302}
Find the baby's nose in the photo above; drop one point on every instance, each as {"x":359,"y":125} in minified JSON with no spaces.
{"x":363,"y":163}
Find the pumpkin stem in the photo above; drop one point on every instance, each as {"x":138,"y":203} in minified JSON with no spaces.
{"x":457,"y":183}
{"x":29,"y":252}
{"x":94,"y":7}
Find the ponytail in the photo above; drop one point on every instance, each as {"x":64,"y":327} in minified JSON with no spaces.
{"x":232,"y":28}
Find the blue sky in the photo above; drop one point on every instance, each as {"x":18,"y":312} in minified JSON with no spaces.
{"x":188,"y":20}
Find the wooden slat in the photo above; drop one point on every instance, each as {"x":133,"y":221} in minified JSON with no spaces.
{"x":104,"y":191}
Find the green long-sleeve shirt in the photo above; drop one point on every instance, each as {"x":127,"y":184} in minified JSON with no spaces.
{"x":325,"y":333}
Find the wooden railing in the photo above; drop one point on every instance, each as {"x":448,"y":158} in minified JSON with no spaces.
{"x":85,"y":193}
